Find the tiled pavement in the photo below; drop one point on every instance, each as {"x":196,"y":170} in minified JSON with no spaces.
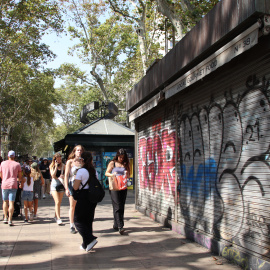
{"x":43,"y":244}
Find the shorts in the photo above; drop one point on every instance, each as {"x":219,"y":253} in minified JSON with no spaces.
{"x":9,"y":194}
{"x":54,"y":183}
{"x":27,"y":196}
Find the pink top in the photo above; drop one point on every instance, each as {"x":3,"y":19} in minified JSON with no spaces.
{"x":10,"y":170}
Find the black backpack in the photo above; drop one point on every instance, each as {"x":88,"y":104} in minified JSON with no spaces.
{"x":96,"y":192}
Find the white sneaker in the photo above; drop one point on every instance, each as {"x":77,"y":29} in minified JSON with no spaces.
{"x":31,"y":217}
{"x":91,"y":245}
{"x":59,"y":221}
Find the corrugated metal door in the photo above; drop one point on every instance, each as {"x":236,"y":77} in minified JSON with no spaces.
{"x":156,"y":161}
{"x":224,"y":142}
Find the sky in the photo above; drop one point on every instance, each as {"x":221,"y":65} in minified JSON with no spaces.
{"x":60,"y":45}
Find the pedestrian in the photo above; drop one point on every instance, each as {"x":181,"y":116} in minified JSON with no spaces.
{"x":10,"y":172}
{"x":38,"y":183}
{"x":45,"y":170}
{"x":85,"y":210}
{"x":27,"y":195}
{"x":57,"y":169}
{"x":118,"y":166}
{"x":74,"y":163}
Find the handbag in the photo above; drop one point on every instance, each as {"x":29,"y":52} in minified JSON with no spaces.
{"x":122,"y":182}
{"x":95,"y":192}
{"x":60,"y":186}
{"x":113,"y":183}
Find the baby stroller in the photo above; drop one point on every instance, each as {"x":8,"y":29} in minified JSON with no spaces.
{"x":18,"y":204}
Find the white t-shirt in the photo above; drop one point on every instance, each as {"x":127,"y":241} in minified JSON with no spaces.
{"x":83,"y":175}
{"x":30,"y":187}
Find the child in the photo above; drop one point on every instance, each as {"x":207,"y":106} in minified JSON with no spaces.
{"x":27,"y":196}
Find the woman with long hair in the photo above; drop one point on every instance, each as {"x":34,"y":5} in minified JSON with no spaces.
{"x":38,"y":183}
{"x":45,"y":170}
{"x":85,"y":210}
{"x":27,"y":195}
{"x":57,"y":169}
{"x":74,"y":163}
{"x":119,"y":166}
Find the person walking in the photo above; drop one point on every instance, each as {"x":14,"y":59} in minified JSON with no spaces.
{"x":10,"y":172}
{"x":27,"y":195}
{"x":119,"y":166}
{"x":57,"y":169}
{"x":74,"y":163}
{"x":45,"y":170}
{"x":85,"y":210}
{"x":38,"y":183}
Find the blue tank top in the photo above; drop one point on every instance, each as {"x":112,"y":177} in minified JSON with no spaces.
{"x":119,"y":170}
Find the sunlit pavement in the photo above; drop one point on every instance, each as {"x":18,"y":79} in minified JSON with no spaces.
{"x":43,"y":244}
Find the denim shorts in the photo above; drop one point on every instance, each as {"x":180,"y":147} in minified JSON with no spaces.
{"x":54,"y":183}
{"x":9,"y":194}
{"x":27,"y":196}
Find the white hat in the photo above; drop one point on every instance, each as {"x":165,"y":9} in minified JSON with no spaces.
{"x":11,"y":153}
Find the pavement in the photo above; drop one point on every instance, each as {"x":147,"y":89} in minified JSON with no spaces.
{"x":145,"y":244}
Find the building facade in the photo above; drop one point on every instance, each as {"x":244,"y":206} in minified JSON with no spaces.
{"x":202,"y":142}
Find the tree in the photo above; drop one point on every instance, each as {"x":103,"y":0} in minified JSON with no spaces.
{"x":104,"y":44}
{"x":24,"y":86}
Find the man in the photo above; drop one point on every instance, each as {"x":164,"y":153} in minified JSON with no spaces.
{"x":10,"y":172}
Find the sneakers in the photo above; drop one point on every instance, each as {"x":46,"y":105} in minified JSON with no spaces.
{"x":35,"y":216}
{"x":91,"y":245}
{"x":5,"y":221}
{"x":26,"y":221}
{"x":121,"y":230}
{"x":31,"y":217}
{"x":72,"y":230}
{"x":59,"y":221}
{"x":10,"y":223}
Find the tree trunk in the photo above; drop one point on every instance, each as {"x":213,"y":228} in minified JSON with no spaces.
{"x":141,"y":37}
{"x":167,"y":10}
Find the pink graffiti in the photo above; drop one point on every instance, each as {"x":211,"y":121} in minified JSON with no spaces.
{"x":157,"y":162}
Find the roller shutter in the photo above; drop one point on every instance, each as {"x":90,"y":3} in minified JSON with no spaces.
{"x":224,"y":139}
{"x":211,"y":142}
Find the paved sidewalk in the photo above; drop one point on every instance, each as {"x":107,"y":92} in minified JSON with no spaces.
{"x":43,"y":244}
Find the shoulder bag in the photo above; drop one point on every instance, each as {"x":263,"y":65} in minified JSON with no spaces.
{"x":60,"y":186}
{"x":95,"y":193}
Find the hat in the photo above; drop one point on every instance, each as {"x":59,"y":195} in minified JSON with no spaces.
{"x":11,"y":153}
{"x":45,"y":159}
{"x":34,"y":165}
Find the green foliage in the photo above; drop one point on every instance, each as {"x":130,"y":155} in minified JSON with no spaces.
{"x":26,"y":91}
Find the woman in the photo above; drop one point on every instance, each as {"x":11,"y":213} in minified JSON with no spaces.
{"x":44,"y":168}
{"x":38,"y":183}
{"x":57,"y":169}
{"x":74,"y":163}
{"x":27,"y":195}
{"x":119,"y":166}
{"x":84,"y":210}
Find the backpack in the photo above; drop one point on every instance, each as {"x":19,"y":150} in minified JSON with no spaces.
{"x":96,"y":192}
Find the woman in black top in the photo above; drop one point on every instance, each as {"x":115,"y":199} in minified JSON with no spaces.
{"x":44,"y":168}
